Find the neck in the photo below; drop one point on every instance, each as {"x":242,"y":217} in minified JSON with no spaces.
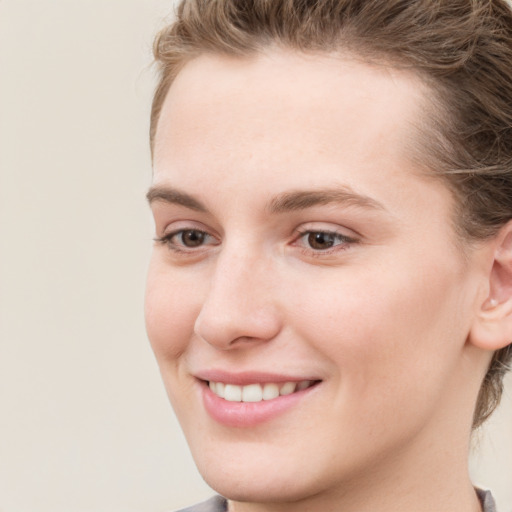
{"x":399,"y":498}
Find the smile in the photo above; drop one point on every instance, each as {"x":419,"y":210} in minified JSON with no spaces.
{"x":244,"y":402}
{"x":257,"y":392}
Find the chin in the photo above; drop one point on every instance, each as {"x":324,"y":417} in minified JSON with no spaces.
{"x":264,"y":479}
{"x":254,"y":488}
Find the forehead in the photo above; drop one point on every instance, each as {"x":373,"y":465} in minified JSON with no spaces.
{"x":331,"y":100}
{"x":287,"y":119}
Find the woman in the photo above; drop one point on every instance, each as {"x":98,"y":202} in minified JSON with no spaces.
{"x":330,"y":293}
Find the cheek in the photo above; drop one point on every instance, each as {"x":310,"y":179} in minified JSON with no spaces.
{"x":170,"y":313}
{"x":386,"y":329}
{"x":389,"y":345}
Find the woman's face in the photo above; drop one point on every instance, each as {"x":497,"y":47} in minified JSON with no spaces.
{"x":307,"y":268}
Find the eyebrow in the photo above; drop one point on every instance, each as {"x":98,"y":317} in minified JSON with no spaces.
{"x":303,"y":199}
{"x":174,"y":196}
{"x":285,"y":202}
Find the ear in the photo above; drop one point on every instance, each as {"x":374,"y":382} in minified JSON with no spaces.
{"x":492,"y":327}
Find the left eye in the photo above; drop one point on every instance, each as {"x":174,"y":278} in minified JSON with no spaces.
{"x":191,"y":237}
{"x":323,"y":240}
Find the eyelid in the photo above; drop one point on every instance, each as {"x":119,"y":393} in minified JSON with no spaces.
{"x":337,"y":234}
{"x":345,"y":240}
{"x":179,"y":248}
{"x":329,"y":227}
{"x":177,"y":228}
{"x":172,"y":226}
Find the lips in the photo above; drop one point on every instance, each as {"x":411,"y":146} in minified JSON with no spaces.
{"x":250,"y":399}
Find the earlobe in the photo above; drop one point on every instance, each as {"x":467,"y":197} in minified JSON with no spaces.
{"x":492,"y":328}
{"x":490,"y":304}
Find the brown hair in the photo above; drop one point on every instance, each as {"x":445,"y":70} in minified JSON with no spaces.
{"x":462,"y":49}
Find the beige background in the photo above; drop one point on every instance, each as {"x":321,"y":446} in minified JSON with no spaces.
{"x":84,"y":422}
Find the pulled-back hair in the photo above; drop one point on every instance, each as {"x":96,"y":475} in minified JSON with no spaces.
{"x":462,"y":49}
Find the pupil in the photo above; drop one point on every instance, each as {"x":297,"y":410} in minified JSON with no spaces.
{"x":192,"y":238}
{"x":320,"y":240}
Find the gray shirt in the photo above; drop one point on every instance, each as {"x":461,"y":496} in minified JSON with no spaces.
{"x":219,"y":504}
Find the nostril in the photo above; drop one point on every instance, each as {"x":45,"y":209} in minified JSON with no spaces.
{"x":232,"y":326}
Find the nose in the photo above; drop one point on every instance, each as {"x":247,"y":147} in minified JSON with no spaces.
{"x":240,"y":306}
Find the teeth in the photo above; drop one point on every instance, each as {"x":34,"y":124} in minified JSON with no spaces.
{"x":252,"y":393}
{"x":217,"y":388}
{"x":233,"y":393}
{"x":270,"y":391}
{"x":288,"y":388}
{"x":303,"y":385}
{"x":256,"y":392}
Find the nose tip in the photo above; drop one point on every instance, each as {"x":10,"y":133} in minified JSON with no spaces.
{"x":227,"y":326}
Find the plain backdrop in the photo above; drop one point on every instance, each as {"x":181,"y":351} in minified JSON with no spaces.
{"x":84,"y":420}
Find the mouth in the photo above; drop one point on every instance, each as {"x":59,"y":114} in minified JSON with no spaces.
{"x":258,"y":392}
{"x":248,"y":400}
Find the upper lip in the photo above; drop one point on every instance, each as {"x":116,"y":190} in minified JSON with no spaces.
{"x":249,"y":377}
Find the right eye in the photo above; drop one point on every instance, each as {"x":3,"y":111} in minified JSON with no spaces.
{"x":186,"y":240}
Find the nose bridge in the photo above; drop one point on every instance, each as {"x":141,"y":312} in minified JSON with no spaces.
{"x":239,"y":305}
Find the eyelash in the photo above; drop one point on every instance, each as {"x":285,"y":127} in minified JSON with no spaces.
{"x":168,"y":240}
{"x":343,"y":241}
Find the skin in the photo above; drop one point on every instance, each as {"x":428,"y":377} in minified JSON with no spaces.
{"x":383,"y":318}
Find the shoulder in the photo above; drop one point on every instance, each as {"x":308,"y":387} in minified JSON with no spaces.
{"x":487,"y":501}
{"x":214,"y":504}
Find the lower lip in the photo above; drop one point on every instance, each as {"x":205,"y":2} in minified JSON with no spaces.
{"x":249,"y":414}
